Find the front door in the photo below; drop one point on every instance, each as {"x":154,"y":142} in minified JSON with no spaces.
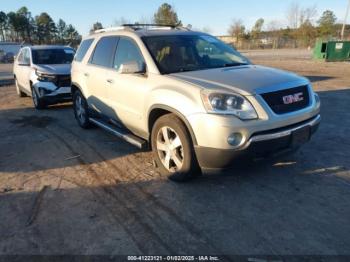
{"x":127,"y":92}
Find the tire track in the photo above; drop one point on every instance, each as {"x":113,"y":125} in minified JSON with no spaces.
{"x":158,"y":206}
{"x":115,"y":205}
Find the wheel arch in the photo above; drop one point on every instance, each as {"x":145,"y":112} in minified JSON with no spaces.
{"x":75,"y":87}
{"x":159,"y":110}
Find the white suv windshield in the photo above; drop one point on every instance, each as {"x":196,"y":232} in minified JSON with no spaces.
{"x":52,"y":56}
{"x":181,"y":53}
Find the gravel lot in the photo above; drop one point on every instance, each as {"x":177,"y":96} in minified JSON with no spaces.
{"x":64,"y":190}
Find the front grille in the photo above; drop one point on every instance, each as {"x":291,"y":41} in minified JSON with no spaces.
{"x":63,"y":80}
{"x":277,"y":104}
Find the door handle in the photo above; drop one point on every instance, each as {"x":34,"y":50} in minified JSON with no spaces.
{"x":110,"y":81}
{"x":86,"y":74}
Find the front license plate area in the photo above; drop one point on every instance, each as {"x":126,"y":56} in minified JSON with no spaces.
{"x":301,"y":136}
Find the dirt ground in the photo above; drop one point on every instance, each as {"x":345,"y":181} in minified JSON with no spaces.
{"x":64,"y":190}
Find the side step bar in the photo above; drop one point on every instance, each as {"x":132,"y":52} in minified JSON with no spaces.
{"x":123,"y":134}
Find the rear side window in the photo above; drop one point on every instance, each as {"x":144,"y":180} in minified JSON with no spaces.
{"x":26,"y":56}
{"x":104,"y":51}
{"x":83,"y":48}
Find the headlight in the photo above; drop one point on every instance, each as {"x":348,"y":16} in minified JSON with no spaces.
{"x":228,"y":104}
{"x":318,"y":100}
{"x":45,"y":77}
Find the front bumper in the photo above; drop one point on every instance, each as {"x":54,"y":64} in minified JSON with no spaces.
{"x":52,"y":94}
{"x":259,"y":144}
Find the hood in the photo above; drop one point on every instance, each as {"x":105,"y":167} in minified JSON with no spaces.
{"x":245,"y":80}
{"x":61,"y":69}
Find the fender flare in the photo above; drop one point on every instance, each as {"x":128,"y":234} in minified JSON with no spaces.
{"x":179,"y":115}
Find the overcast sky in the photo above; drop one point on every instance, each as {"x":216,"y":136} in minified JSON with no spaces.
{"x":214,"y":15}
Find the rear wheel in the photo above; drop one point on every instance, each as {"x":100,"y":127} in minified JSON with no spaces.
{"x":18,"y":89}
{"x":172,"y":149}
{"x":81,"y":111}
{"x":37,"y":101}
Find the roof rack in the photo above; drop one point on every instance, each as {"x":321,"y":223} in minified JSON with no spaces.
{"x":136,"y":27}
{"x":108,"y":29}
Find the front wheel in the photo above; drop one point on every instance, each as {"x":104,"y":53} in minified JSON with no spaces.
{"x":172,"y":149}
{"x":81,"y":112}
{"x":37,"y":101}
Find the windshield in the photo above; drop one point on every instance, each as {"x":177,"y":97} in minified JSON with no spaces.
{"x":181,"y":53}
{"x":52,"y":56}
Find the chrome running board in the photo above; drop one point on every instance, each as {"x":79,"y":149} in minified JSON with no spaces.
{"x":121,"y":133}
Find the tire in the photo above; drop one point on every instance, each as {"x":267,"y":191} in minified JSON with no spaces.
{"x":38,"y":103}
{"x":173,"y":149}
{"x":81,"y":111}
{"x":18,"y":90}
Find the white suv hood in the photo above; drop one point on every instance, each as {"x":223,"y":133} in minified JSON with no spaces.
{"x":246,"y":80}
{"x":59,"y":69}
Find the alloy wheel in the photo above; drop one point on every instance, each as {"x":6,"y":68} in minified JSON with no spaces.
{"x":170,"y":149}
{"x":80,"y":109}
{"x":35,"y":98}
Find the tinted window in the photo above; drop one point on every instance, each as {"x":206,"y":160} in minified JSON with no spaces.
{"x":104,"y":51}
{"x":127,"y":51}
{"x":83,"y":48}
{"x":52,"y":56}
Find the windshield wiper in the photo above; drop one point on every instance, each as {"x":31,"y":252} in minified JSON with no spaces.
{"x":187,"y":69}
{"x":233,"y":64}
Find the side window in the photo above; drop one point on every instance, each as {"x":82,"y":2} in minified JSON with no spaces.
{"x":83,"y":48}
{"x":20,"y":56}
{"x":104,"y":51}
{"x":127,"y":51}
{"x":26,"y":56}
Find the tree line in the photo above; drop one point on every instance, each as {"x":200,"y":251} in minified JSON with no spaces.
{"x":302,"y":29}
{"x":21,"y":26}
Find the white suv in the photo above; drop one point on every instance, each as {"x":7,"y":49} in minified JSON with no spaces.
{"x":43,"y":72}
{"x":195,"y":101}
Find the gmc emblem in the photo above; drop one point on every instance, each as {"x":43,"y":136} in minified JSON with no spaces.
{"x":290,"y":99}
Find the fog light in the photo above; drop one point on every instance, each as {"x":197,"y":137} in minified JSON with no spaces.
{"x":235,"y":139}
{"x":43,"y":91}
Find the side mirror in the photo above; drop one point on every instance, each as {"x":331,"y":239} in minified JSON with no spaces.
{"x":132,"y":67}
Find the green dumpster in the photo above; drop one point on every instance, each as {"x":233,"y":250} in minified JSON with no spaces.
{"x":332,"y":51}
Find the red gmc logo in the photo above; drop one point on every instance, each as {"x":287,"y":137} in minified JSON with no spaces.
{"x":290,"y":99}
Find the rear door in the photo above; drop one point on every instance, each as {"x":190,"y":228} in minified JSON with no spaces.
{"x":18,"y":67}
{"x":26,"y":70}
{"x":96,"y":73}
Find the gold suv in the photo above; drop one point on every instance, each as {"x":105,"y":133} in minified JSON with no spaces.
{"x":197,"y":102}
